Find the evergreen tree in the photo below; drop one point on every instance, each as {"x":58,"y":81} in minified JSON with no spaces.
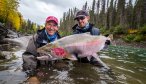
{"x":107,"y":16}
{"x":111,"y":14}
{"x":91,"y":12}
{"x":97,"y":13}
{"x":121,"y":12}
{"x":85,"y":6}
{"x":129,"y":13}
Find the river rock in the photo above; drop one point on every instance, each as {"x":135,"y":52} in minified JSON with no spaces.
{"x":12,"y":34}
{"x":6,"y":55}
{"x":3,"y":31}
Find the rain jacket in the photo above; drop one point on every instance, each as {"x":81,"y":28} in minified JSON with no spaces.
{"x":38,"y":40}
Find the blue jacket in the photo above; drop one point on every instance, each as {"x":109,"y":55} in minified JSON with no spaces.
{"x":91,"y":29}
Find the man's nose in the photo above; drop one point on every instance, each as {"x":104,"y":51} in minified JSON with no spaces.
{"x":51,"y":27}
{"x":79,"y":20}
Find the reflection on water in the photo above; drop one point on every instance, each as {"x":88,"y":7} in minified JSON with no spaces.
{"x":128,"y":66}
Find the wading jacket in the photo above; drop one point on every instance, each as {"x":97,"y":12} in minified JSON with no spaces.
{"x":38,"y":40}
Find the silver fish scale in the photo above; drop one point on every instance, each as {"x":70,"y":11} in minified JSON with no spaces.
{"x":74,"y":39}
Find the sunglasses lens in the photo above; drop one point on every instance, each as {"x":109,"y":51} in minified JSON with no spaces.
{"x":80,"y":18}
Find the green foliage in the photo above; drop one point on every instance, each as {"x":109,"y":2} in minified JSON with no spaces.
{"x":129,"y":38}
{"x":119,"y":30}
{"x":28,"y":27}
{"x":104,"y":31}
{"x":64,"y":33}
{"x":142,"y":30}
{"x":134,"y":38}
{"x":138,"y":38}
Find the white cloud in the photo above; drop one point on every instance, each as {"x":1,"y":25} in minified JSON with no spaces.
{"x":38,"y":10}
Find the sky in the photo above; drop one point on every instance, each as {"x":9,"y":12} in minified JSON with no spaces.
{"x":38,"y":10}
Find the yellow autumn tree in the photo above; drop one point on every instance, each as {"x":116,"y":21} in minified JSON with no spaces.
{"x":14,"y":19}
{"x":3,"y":5}
{"x":9,"y":13}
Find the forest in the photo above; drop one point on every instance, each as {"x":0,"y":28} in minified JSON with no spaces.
{"x":12,"y":19}
{"x":124,"y":18}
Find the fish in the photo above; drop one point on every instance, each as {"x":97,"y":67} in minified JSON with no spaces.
{"x":85,"y":45}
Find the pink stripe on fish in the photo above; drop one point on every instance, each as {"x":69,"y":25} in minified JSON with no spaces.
{"x":93,"y":43}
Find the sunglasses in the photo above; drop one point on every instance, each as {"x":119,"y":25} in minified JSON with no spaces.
{"x":80,"y":18}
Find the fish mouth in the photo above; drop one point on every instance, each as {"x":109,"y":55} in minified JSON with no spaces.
{"x":46,"y":54}
{"x":42,"y":52}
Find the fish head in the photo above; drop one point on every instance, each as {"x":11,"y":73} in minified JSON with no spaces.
{"x":53,"y":52}
{"x":45,"y":50}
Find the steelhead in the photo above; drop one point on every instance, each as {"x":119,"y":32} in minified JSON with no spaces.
{"x":85,"y":45}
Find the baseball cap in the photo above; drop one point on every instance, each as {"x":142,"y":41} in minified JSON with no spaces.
{"x":81,"y":13}
{"x":52,"y":18}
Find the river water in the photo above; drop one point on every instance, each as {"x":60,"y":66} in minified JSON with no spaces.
{"x":128,"y":66}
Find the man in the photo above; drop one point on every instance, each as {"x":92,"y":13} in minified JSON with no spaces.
{"x":44,"y":36}
{"x":82,"y":17}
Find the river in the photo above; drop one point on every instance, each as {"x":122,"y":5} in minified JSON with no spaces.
{"x":128,"y":66}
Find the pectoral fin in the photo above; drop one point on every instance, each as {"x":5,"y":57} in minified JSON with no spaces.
{"x":71,"y":57}
{"x":100,"y":61}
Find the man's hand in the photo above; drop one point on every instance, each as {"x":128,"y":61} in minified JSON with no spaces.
{"x":107,"y":42}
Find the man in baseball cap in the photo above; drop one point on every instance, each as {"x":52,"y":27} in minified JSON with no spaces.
{"x":52,"y":18}
{"x":82,"y":17}
{"x":81,"y":13}
{"x":46,"y":35}
{"x":51,"y":25}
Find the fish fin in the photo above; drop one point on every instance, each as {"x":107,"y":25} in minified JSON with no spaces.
{"x":71,"y":57}
{"x":100,"y":61}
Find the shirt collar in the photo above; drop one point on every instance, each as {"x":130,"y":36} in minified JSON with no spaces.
{"x":84,"y":28}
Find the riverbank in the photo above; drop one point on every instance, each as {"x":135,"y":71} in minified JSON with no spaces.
{"x":120,"y":42}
